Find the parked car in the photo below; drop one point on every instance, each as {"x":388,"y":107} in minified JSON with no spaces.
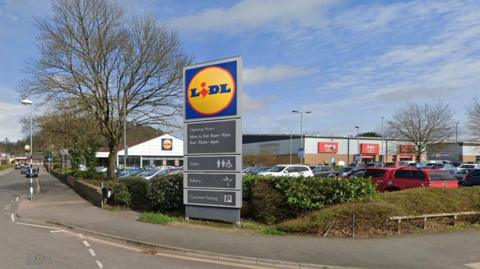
{"x":468,"y":166}
{"x":23,"y":169}
{"x":18,"y":166}
{"x":345,"y":171}
{"x":31,"y":172}
{"x":324,"y":171}
{"x":395,"y":179}
{"x":129,"y":172}
{"x":471,"y":179}
{"x":149,"y":174}
{"x":289,"y":170}
{"x":101,"y":169}
{"x":445,"y":166}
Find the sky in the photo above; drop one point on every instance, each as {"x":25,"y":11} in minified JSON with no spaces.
{"x":348,"y":62}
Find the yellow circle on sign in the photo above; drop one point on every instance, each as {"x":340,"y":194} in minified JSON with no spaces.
{"x":211,"y":90}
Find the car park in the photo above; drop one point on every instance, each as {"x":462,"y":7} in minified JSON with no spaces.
{"x":345,"y":171}
{"x":394,"y":179}
{"x":324,"y":171}
{"x":289,"y":170}
{"x":471,"y":179}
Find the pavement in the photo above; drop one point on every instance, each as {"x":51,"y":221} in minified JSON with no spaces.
{"x":38,"y":245}
{"x":59,"y":204}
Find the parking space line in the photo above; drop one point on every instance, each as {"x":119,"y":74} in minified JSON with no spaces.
{"x":86,"y":243}
{"x":99,"y":264}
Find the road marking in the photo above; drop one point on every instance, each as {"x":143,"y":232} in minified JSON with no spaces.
{"x":475,"y":265}
{"x":80,"y":235}
{"x":86,"y":244}
{"x":16,"y":200}
{"x":37,"y":226}
{"x":12,"y":216}
{"x":92,"y":252}
{"x":57,"y":231}
{"x":99,"y":264}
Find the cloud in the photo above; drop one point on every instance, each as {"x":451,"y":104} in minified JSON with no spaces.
{"x":254,"y":15}
{"x":10,"y":115}
{"x":252,"y":105}
{"x":276,"y":73}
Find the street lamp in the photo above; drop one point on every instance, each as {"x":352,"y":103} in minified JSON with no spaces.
{"x":383,"y":139}
{"x":456,"y":141}
{"x":30,"y":103}
{"x":301,"y":131}
{"x":358,"y":143}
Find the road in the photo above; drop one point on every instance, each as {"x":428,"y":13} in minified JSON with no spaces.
{"x":26,"y":244}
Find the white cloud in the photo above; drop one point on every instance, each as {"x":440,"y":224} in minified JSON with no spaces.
{"x":255,"y":15}
{"x":10,"y":115}
{"x":252,"y":105}
{"x":276,"y":73}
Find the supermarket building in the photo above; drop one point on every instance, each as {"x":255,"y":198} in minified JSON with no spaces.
{"x":271,"y":149}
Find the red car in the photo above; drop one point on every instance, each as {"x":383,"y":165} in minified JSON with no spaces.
{"x":395,"y":179}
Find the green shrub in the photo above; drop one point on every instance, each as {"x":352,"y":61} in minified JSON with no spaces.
{"x":166,"y":193}
{"x":138,"y":189}
{"x":247,"y":182}
{"x":121,"y":196}
{"x":310,"y":193}
{"x":268,"y":204}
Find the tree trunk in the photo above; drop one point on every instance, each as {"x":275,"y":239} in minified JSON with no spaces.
{"x":112,"y":161}
{"x":418,"y":157}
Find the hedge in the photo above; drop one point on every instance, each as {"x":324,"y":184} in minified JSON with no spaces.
{"x":278,"y":198}
{"x":270,"y":199}
{"x":166,"y":193}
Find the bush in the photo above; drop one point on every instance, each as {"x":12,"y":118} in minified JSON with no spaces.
{"x":268,"y":204}
{"x":166,"y":193}
{"x":138,"y":189}
{"x":121,"y":196}
{"x":310,"y":193}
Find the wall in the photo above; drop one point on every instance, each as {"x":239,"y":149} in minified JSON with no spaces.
{"x":86,"y":191}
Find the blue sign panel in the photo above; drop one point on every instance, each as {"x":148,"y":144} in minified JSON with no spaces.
{"x":211,"y":90}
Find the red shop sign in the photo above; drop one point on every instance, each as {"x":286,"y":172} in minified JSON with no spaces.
{"x":327,"y":147}
{"x":370,"y":148}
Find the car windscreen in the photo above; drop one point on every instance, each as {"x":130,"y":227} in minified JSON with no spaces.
{"x":278,"y":168}
{"x":441,"y":175}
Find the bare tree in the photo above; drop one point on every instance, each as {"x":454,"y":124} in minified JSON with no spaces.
{"x":422,"y":125}
{"x":474,"y":115}
{"x":117,"y":68}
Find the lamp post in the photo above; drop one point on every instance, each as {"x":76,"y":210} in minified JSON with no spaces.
{"x":383,"y":139}
{"x":358,"y":143}
{"x":456,"y":142}
{"x":30,"y":103}
{"x":301,"y":131}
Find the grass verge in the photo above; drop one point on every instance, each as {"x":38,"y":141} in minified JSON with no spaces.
{"x":156,"y":218}
{"x":371,"y":217}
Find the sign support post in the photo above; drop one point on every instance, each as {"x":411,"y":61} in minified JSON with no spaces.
{"x":213,"y":140}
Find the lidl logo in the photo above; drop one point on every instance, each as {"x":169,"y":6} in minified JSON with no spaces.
{"x":211,"y":90}
{"x":167,"y":144}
